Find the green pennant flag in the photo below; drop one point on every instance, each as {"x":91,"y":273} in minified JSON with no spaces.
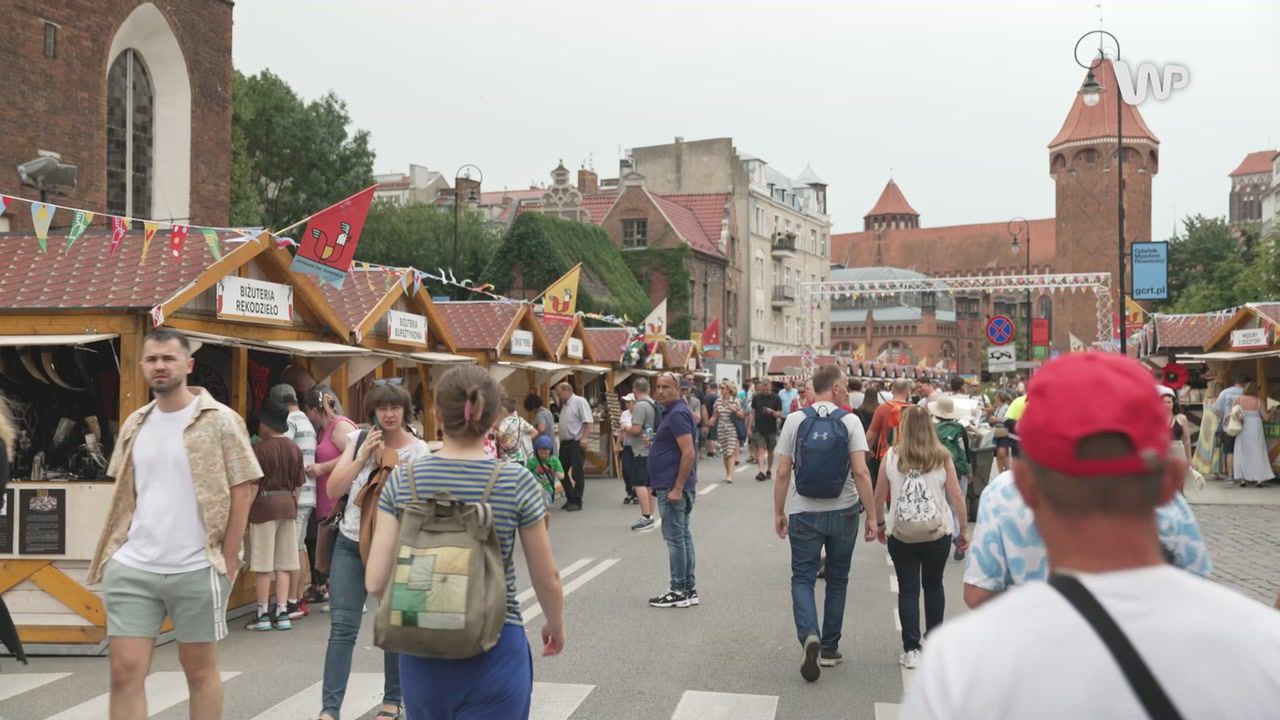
{"x":78,"y":225}
{"x":41,"y":216}
{"x":211,"y":237}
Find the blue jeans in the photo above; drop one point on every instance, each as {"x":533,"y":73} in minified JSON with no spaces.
{"x":955,"y":517}
{"x":809,"y":532}
{"x":675,"y":530}
{"x":346,"y":610}
{"x":497,"y":684}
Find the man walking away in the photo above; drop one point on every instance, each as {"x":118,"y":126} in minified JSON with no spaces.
{"x":1141,"y":639}
{"x":673,"y":474}
{"x":644,"y":425}
{"x":709,"y":417}
{"x":272,"y":518}
{"x":955,"y":439}
{"x":303,"y":434}
{"x":766,"y":410}
{"x":575,"y":429}
{"x":185,"y":475}
{"x":884,"y":423}
{"x":1221,"y":407}
{"x":819,"y":509}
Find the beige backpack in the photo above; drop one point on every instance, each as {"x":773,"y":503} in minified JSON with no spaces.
{"x":447,"y":594}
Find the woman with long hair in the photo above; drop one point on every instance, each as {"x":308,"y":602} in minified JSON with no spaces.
{"x":918,"y":478}
{"x":497,"y":683}
{"x":1252,"y":462}
{"x":866,"y":411}
{"x":728,"y":412}
{"x":1179,"y":427}
{"x":332,"y":429}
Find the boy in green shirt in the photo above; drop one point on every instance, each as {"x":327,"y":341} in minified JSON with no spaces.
{"x":546,"y":467}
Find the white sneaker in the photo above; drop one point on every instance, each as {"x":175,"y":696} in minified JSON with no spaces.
{"x":910,"y":659}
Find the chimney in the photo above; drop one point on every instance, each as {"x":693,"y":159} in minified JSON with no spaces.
{"x":588,"y":182}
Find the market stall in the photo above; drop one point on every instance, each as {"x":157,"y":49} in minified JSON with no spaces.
{"x":592,"y":381}
{"x":507,"y":339}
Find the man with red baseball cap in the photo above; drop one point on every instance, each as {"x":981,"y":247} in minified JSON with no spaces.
{"x":1116,"y":632}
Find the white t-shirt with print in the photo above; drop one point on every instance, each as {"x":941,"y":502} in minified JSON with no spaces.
{"x":350,"y":525}
{"x":1030,"y":654}
{"x":786,"y":448}
{"x":167,"y":535}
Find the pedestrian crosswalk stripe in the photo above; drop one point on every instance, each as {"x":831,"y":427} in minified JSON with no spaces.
{"x":12,"y":684}
{"x":893,"y":583}
{"x":888,"y":559}
{"x":164,"y":690}
{"x":364,"y":693}
{"x":564,"y":575}
{"x":887,"y":711}
{"x":697,"y":705}
{"x":708,"y":488}
{"x":897,"y":620}
{"x":535,"y":611}
{"x":557,"y":701}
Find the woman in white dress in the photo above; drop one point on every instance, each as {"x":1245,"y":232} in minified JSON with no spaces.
{"x":1252,"y":463}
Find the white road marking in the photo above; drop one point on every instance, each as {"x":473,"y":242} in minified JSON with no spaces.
{"x":893,"y":584}
{"x":12,"y":684}
{"x":888,"y":560}
{"x":535,"y":610}
{"x":744,"y":468}
{"x":564,"y":575}
{"x":897,"y":620}
{"x":696,"y":705}
{"x":364,"y":693}
{"x":164,"y":690}
{"x":708,"y":488}
{"x":908,"y":676}
{"x":887,"y":711}
{"x":557,"y":701}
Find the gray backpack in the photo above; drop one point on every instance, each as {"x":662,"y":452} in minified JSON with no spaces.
{"x":447,"y":594}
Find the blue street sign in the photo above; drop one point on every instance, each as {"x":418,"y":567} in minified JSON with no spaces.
{"x":1150,"y":271}
{"x":1000,"y":330}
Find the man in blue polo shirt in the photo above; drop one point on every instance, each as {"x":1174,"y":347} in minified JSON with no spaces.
{"x":673,"y":477}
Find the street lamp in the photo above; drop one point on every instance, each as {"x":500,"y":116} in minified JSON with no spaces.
{"x":457,"y":204}
{"x":1091,"y":92}
{"x":1017,"y":226}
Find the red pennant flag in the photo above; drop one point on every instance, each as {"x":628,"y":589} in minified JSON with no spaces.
{"x":119,"y":228}
{"x":177,"y":238}
{"x":711,"y":338}
{"x":329,"y":243}
{"x":4,"y":203}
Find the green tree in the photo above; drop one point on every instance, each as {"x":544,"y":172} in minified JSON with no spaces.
{"x":291,"y":158}
{"x":1214,"y":266}
{"x":421,"y":236}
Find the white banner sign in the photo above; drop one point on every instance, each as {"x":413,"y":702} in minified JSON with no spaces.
{"x":1001,"y":358}
{"x":244,"y":299}
{"x":521,"y":342}
{"x":1251,"y":338}
{"x":406,"y":328}
{"x":575,"y":348}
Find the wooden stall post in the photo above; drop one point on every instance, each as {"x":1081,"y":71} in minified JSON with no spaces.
{"x":133,"y":386}
{"x":240,"y":381}
{"x":428,"y":400}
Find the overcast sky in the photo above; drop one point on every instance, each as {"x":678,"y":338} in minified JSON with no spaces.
{"x":957,"y":99}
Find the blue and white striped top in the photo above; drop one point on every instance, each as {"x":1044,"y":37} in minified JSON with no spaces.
{"x":517,"y":501}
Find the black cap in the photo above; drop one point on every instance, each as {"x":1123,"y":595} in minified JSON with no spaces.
{"x":274,"y":415}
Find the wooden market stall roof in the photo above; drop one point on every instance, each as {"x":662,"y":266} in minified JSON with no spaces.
{"x":1264,"y":314}
{"x":558,"y":332}
{"x":676,"y":354}
{"x":607,"y":344}
{"x":487,"y":326}
{"x":1168,"y":332}
{"x":778,"y":364}
{"x":367,"y":295}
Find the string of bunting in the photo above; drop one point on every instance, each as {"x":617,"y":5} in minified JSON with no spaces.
{"x":42,"y":214}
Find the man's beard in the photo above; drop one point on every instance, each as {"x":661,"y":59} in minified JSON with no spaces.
{"x":166,"y":385}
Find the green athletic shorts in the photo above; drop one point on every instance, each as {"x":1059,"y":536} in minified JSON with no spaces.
{"x":138,"y":601}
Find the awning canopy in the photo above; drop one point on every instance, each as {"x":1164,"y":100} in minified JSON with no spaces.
{"x":26,"y":340}
{"x":536,"y":365}
{"x":1228,"y":355}
{"x":211,"y":339}
{"x":313,"y":348}
{"x":594,"y":369}
{"x":435,"y":358}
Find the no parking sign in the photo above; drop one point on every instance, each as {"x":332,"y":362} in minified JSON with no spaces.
{"x":1000,"y":330}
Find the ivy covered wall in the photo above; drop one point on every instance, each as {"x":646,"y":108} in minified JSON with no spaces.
{"x":670,"y":264}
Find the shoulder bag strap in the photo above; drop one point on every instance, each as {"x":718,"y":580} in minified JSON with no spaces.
{"x":1144,"y":684}
{"x":413,"y":484}
{"x":493,"y":480}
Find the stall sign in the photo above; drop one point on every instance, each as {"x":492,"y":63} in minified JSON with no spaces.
{"x":521,"y":342}
{"x":42,"y":528}
{"x":406,"y":328}
{"x":1249,"y":339}
{"x":246,"y":299}
{"x":575,"y":348}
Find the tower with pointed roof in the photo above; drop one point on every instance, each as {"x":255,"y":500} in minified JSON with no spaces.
{"x":1082,"y":163}
{"x":891,"y":211}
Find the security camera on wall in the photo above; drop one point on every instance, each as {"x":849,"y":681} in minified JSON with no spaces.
{"x":48,"y":173}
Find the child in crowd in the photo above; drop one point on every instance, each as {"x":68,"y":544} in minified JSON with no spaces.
{"x":547,"y":469}
{"x":273,"y":540}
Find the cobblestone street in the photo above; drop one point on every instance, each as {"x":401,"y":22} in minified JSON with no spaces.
{"x":1245,"y":543}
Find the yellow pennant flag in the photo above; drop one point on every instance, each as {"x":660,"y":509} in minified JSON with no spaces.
{"x":861,"y":353}
{"x":1133,"y":312}
{"x":924,"y":362}
{"x":148,"y":234}
{"x":560,"y":301}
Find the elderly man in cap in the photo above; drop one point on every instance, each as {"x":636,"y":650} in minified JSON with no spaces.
{"x":1115,"y":632}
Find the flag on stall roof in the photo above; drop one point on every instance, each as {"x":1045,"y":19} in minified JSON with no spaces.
{"x":211,"y":239}
{"x":1133,"y":312}
{"x":1077,"y":345}
{"x":41,"y":216}
{"x":655,"y":326}
{"x":711,"y":339}
{"x":119,"y":228}
{"x":4,"y":203}
{"x":177,"y":238}
{"x":560,"y":301}
{"x":79,"y":224}
{"x":329,"y":243}
{"x":149,"y":230}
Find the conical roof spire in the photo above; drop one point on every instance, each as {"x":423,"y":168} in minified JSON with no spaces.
{"x":892,"y":202}
{"x":1099,"y":122}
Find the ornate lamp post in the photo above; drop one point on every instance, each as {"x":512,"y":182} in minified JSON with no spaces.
{"x":457,"y":205}
{"x":1020,"y":226}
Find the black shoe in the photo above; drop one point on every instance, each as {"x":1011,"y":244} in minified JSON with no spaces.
{"x":693,"y":597}
{"x":830,"y":658}
{"x":672,"y":599}
{"x":809,"y":669}
{"x":959,"y":554}
{"x":760,"y":477}
{"x":768,"y":475}
{"x":573,"y":507}
{"x":629,"y":499}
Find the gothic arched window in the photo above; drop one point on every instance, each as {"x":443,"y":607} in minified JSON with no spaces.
{"x":130,"y":136}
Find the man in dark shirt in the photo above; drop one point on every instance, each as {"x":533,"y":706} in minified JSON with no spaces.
{"x":766,"y":409}
{"x":673,"y":476}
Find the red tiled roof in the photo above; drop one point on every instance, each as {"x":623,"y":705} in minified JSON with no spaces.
{"x":676,"y":353}
{"x":496,"y":197}
{"x":708,"y":208}
{"x":1268,"y":310}
{"x":1187,"y":331}
{"x":555,"y":330}
{"x":402,"y":182}
{"x":778,"y":364}
{"x":687,"y":226}
{"x":608,"y":344}
{"x":1255,"y":163}
{"x":478,"y":325}
{"x":88,"y":276}
{"x":355,"y":300}
{"x":599,"y":206}
{"x":892,"y":202}
{"x":959,"y":248}
{"x":1098,"y":122}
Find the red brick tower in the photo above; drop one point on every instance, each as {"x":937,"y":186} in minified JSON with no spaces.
{"x":1082,"y":163}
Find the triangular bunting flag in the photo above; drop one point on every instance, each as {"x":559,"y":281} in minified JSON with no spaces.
{"x":157,"y":315}
{"x":560,"y":301}
{"x":404,"y":282}
{"x":149,"y":230}
{"x":368,"y":276}
{"x":119,"y":228}
{"x":329,"y":242}
{"x":4,"y":203}
{"x":177,"y":238}
{"x":211,"y":239}
{"x":79,"y":224}
{"x":1076,"y":344}
{"x":41,"y":216}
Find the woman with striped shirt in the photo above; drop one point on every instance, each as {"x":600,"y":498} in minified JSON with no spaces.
{"x":499,"y":683}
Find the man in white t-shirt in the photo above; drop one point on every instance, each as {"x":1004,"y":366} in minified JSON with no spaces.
{"x":812,"y":523}
{"x":1093,"y":475}
{"x":303,"y":434}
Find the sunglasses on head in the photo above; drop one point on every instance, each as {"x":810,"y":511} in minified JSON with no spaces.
{"x":387,"y":381}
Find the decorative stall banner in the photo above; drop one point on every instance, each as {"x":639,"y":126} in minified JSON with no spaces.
{"x":331,"y":237}
{"x":177,"y":238}
{"x":245,"y":299}
{"x":406,"y":328}
{"x":560,"y":301}
{"x":711,"y":339}
{"x":211,"y":239}
{"x":1134,"y":315}
{"x":79,"y":224}
{"x":119,"y":228}
{"x":149,"y":230}
{"x":1150,"y":270}
{"x":41,"y":216}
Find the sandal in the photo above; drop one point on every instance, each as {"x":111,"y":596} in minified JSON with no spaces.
{"x":388,"y":714}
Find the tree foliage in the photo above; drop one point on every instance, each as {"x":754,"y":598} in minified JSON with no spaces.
{"x":1213,"y":266}
{"x":421,"y":236}
{"x":291,"y":158}
{"x":670,"y":263}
